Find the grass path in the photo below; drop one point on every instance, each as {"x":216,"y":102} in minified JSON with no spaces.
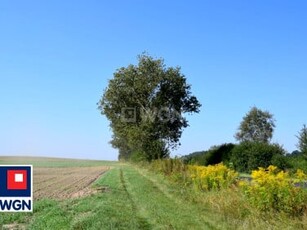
{"x":161,"y":209}
{"x":131,"y":199}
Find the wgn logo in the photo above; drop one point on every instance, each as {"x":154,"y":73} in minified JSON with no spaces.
{"x":16,"y":188}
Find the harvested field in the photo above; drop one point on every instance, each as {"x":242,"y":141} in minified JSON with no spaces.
{"x":63,"y":183}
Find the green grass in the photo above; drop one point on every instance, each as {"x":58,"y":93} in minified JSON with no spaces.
{"x":129,"y":200}
{"x":157,"y":206}
{"x":132,"y":197}
{"x":107,"y":210}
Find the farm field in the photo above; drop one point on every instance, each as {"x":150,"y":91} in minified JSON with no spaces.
{"x":63,"y":183}
{"x":54,"y":162}
{"x":61,"y":178}
{"x":112,"y":195}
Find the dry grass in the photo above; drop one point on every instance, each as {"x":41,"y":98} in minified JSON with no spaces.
{"x":239,"y":214}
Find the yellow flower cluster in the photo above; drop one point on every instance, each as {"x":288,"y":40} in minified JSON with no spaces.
{"x":270,"y":176}
{"x":300,"y":176}
{"x":273,"y":189}
{"x":212,"y":177}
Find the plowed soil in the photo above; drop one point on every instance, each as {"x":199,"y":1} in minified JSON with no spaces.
{"x":63,"y":183}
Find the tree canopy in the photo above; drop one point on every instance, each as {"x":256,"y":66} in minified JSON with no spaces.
{"x":256,"y":126}
{"x":302,"y":140}
{"x":144,"y":104}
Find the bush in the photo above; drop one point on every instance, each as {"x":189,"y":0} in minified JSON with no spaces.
{"x":280,"y":161}
{"x":272,"y":189}
{"x":137,"y":156}
{"x":219,"y":154}
{"x":248,"y":156}
{"x":297,"y":162}
{"x":214,"y":155}
{"x":212,"y":177}
{"x":195,"y":158}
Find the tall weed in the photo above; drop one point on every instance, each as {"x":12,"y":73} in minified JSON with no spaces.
{"x":274,"y":190}
{"x":212,"y":177}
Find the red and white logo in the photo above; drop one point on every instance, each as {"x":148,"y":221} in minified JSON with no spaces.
{"x":17,"y":179}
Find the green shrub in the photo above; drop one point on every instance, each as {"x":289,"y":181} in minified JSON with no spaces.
{"x":137,"y":156}
{"x":219,"y":154}
{"x":280,"y":161}
{"x":248,"y":156}
{"x":297,"y":162}
{"x":215,"y":155}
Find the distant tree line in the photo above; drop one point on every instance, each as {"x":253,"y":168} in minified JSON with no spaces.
{"x":254,"y":149}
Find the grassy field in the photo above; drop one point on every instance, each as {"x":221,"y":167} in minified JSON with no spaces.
{"x":123,"y":196}
{"x":54,"y":162}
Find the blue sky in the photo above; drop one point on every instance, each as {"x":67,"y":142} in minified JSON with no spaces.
{"x":56,"y":58}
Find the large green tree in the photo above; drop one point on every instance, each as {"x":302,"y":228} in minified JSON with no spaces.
{"x":256,"y":126}
{"x":302,"y":140}
{"x":144,"y":104}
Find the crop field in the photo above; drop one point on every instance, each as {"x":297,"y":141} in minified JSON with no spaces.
{"x":84,"y":194}
{"x":46,"y":162}
{"x":57,"y":178}
{"x":67,"y":182}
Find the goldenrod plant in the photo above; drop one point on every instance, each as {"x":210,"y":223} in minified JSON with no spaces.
{"x":212,"y":177}
{"x":272,"y":189}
